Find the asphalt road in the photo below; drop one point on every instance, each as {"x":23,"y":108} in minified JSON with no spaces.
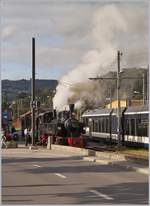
{"x":48,"y":177}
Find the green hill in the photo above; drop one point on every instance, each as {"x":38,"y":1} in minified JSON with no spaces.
{"x":11,"y":89}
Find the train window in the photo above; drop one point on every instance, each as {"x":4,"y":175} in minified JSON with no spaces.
{"x":95,"y":126}
{"x":127,"y":126}
{"x":132,"y":132}
{"x":99,"y":122}
{"x":114,"y":124}
{"x":91,"y":124}
{"x":86,"y":121}
{"x":107,"y":125}
{"x":138,"y":127}
{"x":103,"y":125}
{"x":144,"y":123}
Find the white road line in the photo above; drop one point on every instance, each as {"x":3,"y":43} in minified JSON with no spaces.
{"x":101,"y":195}
{"x":59,"y":175}
{"x":37,"y":165}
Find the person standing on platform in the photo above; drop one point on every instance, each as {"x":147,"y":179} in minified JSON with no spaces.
{"x":26,"y":134}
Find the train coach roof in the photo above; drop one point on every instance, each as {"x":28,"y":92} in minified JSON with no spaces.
{"x":122,"y":109}
{"x":136,"y":110}
{"x":96,"y":112}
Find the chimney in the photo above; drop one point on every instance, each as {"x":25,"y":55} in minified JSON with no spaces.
{"x":71,"y":107}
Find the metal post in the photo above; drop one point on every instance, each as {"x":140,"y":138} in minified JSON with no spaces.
{"x":33,"y":91}
{"x":118,"y":98}
{"x":18,"y":109}
{"x":90,"y":128}
{"x":110,"y":98}
{"x":147,"y":85}
{"x":143,"y":89}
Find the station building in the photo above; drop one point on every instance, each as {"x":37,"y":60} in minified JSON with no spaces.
{"x":125,"y":103}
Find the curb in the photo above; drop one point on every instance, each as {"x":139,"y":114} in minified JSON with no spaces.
{"x":144,"y":171}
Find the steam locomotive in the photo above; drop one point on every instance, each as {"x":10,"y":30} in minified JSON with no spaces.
{"x":63,"y":127}
{"x":101,"y":125}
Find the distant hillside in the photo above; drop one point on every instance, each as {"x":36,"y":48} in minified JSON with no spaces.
{"x":12,"y":88}
{"x":25,"y":85}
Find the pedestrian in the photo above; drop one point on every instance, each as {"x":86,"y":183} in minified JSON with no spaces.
{"x":26,"y":134}
{"x":13,"y":130}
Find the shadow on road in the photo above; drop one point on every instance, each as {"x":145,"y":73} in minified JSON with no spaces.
{"x":68,"y":168}
{"x":76,"y":169}
{"x":37,"y":185}
{"x":37,"y":159}
{"x":124,"y":193}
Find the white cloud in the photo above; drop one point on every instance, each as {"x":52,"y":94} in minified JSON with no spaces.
{"x":8,"y":31}
{"x":72,"y":23}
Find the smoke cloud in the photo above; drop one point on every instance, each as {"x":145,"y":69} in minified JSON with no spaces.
{"x":8,"y":31}
{"x":114,"y":28}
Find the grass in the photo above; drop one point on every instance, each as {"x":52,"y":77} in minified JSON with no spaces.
{"x":135,"y":152}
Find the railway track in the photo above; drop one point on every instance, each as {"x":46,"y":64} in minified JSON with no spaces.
{"x":101,"y":148}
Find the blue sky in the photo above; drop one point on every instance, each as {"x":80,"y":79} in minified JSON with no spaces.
{"x":64,"y":34}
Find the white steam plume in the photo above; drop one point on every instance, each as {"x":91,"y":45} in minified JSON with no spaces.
{"x":114,"y":28}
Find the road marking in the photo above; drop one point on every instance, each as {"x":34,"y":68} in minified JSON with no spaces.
{"x":37,"y":165}
{"x":101,"y":195}
{"x":59,"y":175}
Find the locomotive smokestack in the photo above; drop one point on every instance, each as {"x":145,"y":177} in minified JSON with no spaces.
{"x":55,"y":113}
{"x":71,"y":107}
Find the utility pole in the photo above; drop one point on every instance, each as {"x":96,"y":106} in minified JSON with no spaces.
{"x":143,"y":88}
{"x":118,"y":78}
{"x":118,"y":96}
{"x":110,"y":98}
{"x":18,"y":109}
{"x":118,"y":99}
{"x":147,"y":86}
{"x":33,"y":92}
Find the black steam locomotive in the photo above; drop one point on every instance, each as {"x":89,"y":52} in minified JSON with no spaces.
{"x":101,"y":125}
{"x":62,"y":126}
